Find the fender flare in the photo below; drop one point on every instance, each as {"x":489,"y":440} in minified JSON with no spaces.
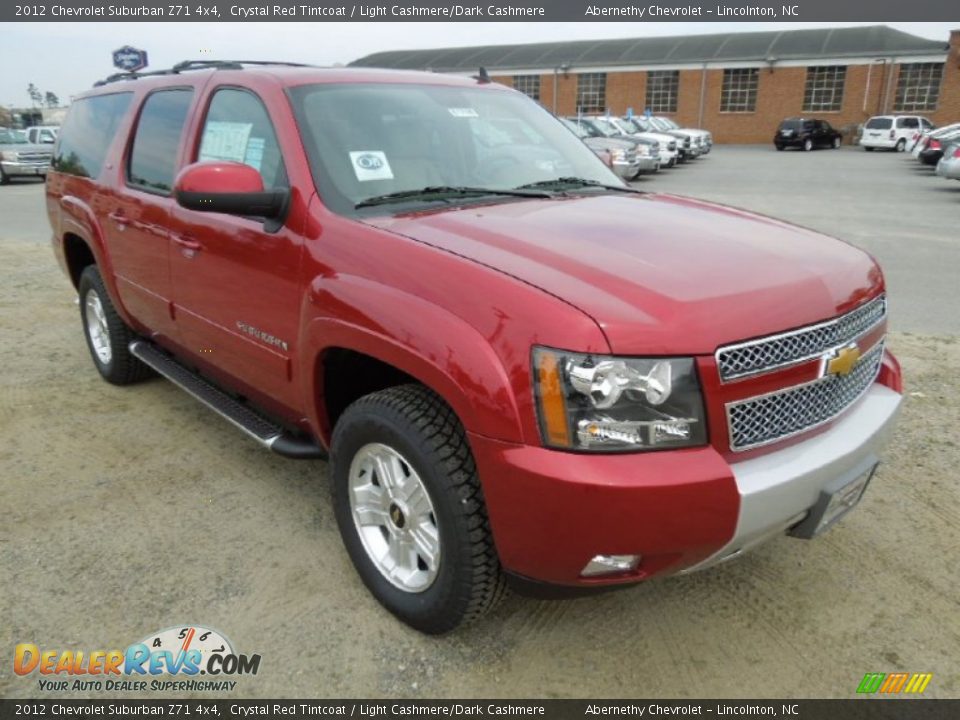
{"x":77,"y":218}
{"x":421,"y":339}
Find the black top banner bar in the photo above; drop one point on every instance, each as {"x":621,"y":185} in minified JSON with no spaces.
{"x":853,"y":709}
{"x":479,"y":11}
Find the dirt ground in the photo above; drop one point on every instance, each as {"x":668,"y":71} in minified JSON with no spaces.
{"x":129,"y":510}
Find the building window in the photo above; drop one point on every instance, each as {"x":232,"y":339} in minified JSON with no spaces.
{"x":529,"y":85}
{"x":592,"y":92}
{"x":824,"y":91}
{"x":739,"y":93}
{"x":918,"y":87}
{"x":662,"y":90}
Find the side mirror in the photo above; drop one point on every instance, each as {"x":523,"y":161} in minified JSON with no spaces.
{"x":228,"y":187}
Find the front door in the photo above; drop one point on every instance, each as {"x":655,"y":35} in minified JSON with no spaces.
{"x":236,"y":289}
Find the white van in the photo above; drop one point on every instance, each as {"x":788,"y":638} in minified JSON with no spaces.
{"x":892,"y":131}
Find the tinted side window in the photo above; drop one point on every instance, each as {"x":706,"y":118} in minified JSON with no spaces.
{"x":87,"y":132}
{"x":153,"y":157}
{"x":238,"y":128}
{"x":908,"y":122}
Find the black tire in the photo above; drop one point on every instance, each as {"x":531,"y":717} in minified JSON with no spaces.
{"x":779,"y":147}
{"x":416,"y":423}
{"x":807,"y":145}
{"x":901,"y":145}
{"x":837,"y":142}
{"x":868,"y":149}
{"x":4,"y":178}
{"x":122,"y":368}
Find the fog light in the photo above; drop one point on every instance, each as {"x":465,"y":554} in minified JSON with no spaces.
{"x":610,"y":565}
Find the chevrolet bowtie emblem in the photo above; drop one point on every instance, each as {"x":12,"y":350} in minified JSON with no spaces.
{"x":841,"y":361}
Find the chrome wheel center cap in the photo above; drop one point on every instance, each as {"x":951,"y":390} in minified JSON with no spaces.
{"x":397,"y":516}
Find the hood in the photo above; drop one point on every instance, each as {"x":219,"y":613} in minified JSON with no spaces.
{"x":26,"y":147}
{"x":609,"y":142}
{"x":659,"y":274}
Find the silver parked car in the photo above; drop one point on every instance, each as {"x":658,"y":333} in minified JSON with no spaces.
{"x":18,"y":156}
{"x":949,"y":165}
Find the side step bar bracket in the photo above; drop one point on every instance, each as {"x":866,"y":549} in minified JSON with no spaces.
{"x":242,"y":417}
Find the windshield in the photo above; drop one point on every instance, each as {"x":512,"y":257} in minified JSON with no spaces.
{"x":668,"y":123}
{"x":630,"y":126}
{"x":605,"y":126}
{"x":13,"y":137}
{"x":575,"y":128}
{"x":880,"y":123}
{"x":656,"y":124}
{"x":369,"y":140}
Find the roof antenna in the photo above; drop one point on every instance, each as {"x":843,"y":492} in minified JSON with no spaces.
{"x":482,"y":77}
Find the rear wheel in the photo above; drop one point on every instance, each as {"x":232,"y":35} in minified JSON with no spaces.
{"x":410,"y":509}
{"x":807,"y":145}
{"x":4,"y":178}
{"x":901,"y":145}
{"x":836,"y":143}
{"x":779,"y":147}
{"x":867,"y":148}
{"x":108,"y":337}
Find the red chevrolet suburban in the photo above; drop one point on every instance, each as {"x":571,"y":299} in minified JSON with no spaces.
{"x":523,"y":370}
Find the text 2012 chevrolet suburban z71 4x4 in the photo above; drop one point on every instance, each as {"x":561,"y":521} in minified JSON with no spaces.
{"x":521,"y":369}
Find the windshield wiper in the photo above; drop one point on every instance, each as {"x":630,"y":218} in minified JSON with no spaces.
{"x":566,"y":182}
{"x":440,"y":191}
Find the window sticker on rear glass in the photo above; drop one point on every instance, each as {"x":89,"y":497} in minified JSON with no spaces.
{"x":370,"y":165}
{"x":463,"y":112}
{"x":225,"y":141}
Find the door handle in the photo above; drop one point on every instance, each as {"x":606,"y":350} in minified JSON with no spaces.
{"x":120,"y":219}
{"x":186,"y":243}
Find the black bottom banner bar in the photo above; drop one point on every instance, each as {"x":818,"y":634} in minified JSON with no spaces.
{"x":854,"y":709}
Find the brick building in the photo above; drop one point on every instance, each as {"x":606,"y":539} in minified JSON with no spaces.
{"x":737,"y":85}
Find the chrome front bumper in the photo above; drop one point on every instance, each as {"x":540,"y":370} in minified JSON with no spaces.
{"x":13,"y":167}
{"x":778,"y":489}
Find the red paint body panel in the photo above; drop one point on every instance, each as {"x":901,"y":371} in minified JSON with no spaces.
{"x":457,"y":298}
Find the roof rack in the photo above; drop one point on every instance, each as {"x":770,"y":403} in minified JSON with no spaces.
{"x":188,"y":65}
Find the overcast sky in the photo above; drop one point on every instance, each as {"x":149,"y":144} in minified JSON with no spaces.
{"x":66,"y":58}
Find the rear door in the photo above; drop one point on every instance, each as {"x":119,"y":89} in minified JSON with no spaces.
{"x":138,"y":214}
{"x":236,"y":284}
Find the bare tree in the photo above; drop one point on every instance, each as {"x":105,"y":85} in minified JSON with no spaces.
{"x":36,"y":97}
{"x":51,"y":99}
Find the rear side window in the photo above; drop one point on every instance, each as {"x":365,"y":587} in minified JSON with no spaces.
{"x":87,"y":132}
{"x":153,"y":158}
{"x":908,"y":122}
{"x":238,"y":128}
{"x":880,"y":123}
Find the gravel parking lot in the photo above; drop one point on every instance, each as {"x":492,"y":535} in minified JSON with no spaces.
{"x":131,"y":510}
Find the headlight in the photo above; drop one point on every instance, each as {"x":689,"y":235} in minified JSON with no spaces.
{"x":615,"y":404}
{"x":643,"y":150}
{"x":10,"y":155}
{"x":618,"y":155}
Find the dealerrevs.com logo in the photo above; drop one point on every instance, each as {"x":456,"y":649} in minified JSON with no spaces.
{"x":170,"y":660}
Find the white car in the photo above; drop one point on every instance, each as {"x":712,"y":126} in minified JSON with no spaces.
{"x":892,"y":132}
{"x":43,"y":134}
{"x":705,"y":136}
{"x":668,"y":143}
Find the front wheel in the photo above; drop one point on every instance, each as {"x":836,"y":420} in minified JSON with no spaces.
{"x":807,"y":145}
{"x":410,"y":509}
{"x":836,"y":143}
{"x":867,"y":148}
{"x":779,"y":147}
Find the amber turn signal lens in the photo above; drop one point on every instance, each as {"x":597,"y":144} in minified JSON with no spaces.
{"x":553,"y":412}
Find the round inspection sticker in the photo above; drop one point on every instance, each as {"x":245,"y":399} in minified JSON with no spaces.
{"x":370,"y":165}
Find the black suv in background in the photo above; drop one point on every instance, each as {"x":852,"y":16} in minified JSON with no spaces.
{"x":806,"y":134}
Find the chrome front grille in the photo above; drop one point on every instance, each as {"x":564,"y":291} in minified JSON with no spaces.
{"x":776,"y":351}
{"x":35,"y":157}
{"x":778,"y":415}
